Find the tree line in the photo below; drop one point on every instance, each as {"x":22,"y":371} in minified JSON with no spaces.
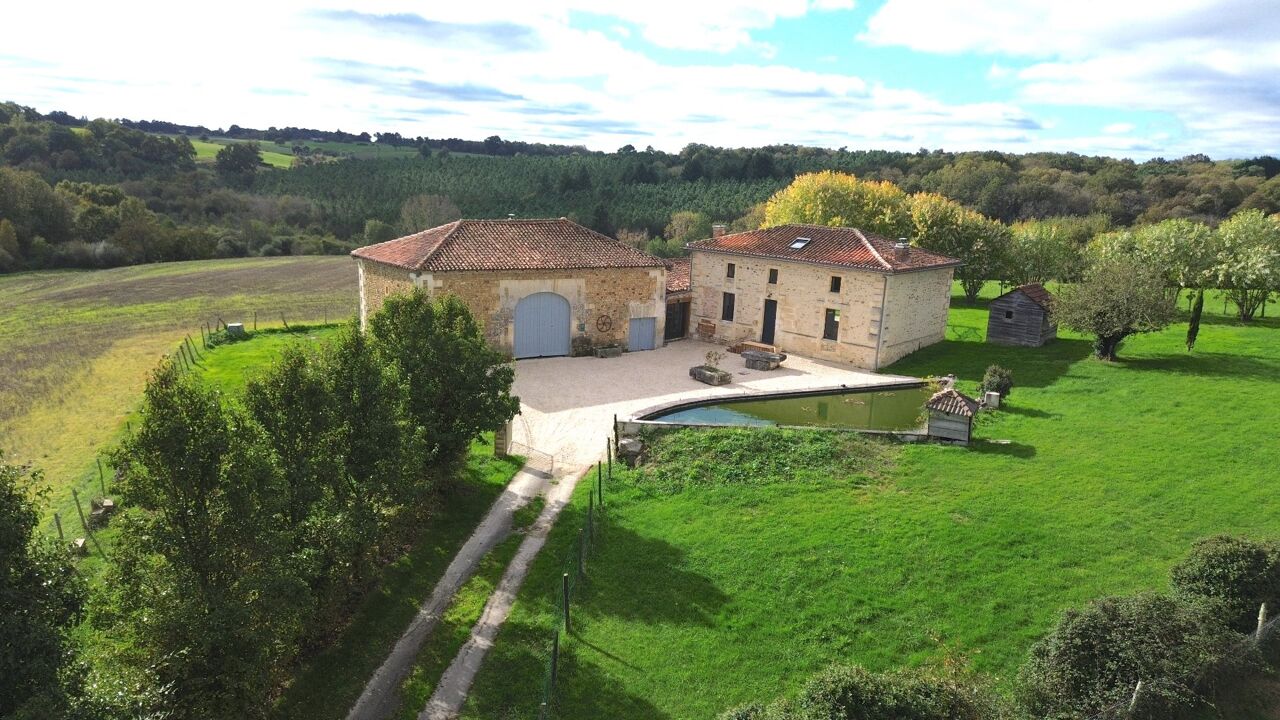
{"x":656,"y":200}
{"x":251,"y":523}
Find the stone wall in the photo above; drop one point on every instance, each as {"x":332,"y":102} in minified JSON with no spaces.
{"x":602,"y":301}
{"x":914,"y":307}
{"x":803,"y":296}
{"x":915,"y":313}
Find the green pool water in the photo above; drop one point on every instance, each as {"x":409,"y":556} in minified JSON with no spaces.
{"x":896,"y":409}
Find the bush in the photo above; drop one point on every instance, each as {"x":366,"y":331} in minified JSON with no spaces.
{"x":997,"y":379}
{"x":1096,"y":655}
{"x":1237,"y":573}
{"x":852,"y":693}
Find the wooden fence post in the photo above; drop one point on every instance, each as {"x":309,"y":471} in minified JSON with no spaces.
{"x":57,"y":520}
{"x":101,"y":483}
{"x":255,"y":321}
{"x":1262,"y":621}
{"x":75,"y":495}
{"x":564,"y":590}
{"x":608,"y":455}
{"x":1133,"y":701}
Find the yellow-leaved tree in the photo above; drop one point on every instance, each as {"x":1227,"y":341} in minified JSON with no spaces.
{"x":841,"y":200}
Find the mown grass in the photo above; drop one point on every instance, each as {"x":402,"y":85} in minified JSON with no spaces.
{"x":719,"y":583}
{"x":208,"y":151}
{"x":76,"y":346}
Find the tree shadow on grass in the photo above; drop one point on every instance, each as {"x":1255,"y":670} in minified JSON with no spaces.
{"x":1205,"y":365}
{"x":1012,"y":449}
{"x":1027,"y":411}
{"x":583,"y":687}
{"x":644,"y":579}
{"x":1032,"y":367}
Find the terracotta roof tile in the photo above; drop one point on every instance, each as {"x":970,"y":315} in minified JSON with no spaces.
{"x":678,"y":275}
{"x":954,"y":402}
{"x":506,"y":245}
{"x":1036,"y":292}
{"x":849,"y":247}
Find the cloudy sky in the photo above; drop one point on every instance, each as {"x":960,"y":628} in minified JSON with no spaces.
{"x":1122,"y":78}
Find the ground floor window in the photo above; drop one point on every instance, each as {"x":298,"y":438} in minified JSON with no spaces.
{"x":831,"y":326}
{"x":726,"y":308}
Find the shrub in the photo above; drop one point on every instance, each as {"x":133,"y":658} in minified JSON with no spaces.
{"x":851,"y":693}
{"x":1095,"y":656}
{"x":998,"y":379}
{"x":1237,"y":573}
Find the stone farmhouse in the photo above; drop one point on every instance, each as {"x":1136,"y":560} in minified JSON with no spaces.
{"x":824,"y":292}
{"x":546,"y":288}
{"x":538,"y":286}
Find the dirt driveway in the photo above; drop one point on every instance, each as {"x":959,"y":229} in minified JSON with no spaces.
{"x":568,"y":404}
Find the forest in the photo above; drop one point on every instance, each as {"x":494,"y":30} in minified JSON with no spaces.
{"x":101,"y":193}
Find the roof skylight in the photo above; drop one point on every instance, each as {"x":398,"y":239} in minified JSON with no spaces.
{"x":799,"y":243}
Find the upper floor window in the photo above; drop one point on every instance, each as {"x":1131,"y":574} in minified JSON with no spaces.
{"x":732,"y":269}
{"x":773,"y":276}
{"x":835,"y":283}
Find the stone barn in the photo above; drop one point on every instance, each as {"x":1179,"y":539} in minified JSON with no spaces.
{"x":541,"y":288}
{"x":830,"y":293}
{"x":1022,"y":316}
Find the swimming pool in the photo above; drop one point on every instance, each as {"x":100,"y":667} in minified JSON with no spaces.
{"x":897,"y":408}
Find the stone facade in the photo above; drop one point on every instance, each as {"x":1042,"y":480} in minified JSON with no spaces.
{"x":602,"y":301}
{"x":882,"y":316}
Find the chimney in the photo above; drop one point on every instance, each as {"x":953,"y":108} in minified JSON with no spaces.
{"x":718,"y":230}
{"x":901,"y":250}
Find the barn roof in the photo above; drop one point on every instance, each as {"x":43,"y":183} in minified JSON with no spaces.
{"x":954,"y":402}
{"x":557,"y":244}
{"x":678,"y":275}
{"x":1036,"y":292}
{"x":844,"y":246}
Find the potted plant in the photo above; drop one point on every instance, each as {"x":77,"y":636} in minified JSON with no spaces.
{"x":708,"y":372}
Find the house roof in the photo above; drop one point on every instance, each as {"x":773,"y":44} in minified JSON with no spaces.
{"x":558,"y":244}
{"x":678,"y":275}
{"x":1036,"y":292}
{"x":953,"y":402}
{"x":848,"y":247}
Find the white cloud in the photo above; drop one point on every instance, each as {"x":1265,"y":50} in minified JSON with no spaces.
{"x":1118,"y":128}
{"x":1211,"y":64}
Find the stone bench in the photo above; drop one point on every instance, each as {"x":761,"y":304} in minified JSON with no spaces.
{"x":761,"y":360}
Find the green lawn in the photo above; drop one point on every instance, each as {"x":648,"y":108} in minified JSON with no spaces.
{"x":713,"y":593}
{"x":206,"y":151}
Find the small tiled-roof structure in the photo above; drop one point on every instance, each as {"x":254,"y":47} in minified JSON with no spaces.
{"x":822,"y":245}
{"x":1036,"y":292}
{"x":1023,"y":316}
{"x":514,"y":244}
{"x":953,"y":402}
{"x":678,"y":276}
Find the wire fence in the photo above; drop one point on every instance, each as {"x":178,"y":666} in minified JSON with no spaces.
{"x":573,"y":577}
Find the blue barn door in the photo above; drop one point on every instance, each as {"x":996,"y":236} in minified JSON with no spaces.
{"x":642,"y":334}
{"x":542,"y":326}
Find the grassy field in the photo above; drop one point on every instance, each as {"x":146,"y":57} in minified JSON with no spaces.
{"x":718,"y":587}
{"x":206,"y":151}
{"x":77,"y":346}
{"x":281,"y":156}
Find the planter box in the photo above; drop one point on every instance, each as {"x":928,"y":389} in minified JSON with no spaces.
{"x":710,"y":375}
{"x":611,"y":351}
{"x":760,"y":360}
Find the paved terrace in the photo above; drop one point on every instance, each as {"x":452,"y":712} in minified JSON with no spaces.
{"x":568,"y":404}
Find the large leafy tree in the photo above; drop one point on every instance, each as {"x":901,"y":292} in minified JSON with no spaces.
{"x":1050,"y":249}
{"x":1248,"y":265}
{"x":237,"y":163}
{"x":203,"y":588}
{"x":841,"y":199}
{"x":1119,"y":296}
{"x":947,"y":227}
{"x":40,"y":598}
{"x":458,"y":385}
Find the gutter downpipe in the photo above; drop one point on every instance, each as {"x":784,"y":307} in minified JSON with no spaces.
{"x":884,"y":297}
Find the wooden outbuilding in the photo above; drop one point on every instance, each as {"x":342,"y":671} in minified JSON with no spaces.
{"x":1022,"y":316}
{"x":951,"y":415}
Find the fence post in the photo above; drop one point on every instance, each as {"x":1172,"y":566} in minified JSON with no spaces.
{"x":255,"y":321}
{"x":591,"y":501}
{"x":615,"y":429}
{"x":1262,"y":620}
{"x":555,"y":660}
{"x":581,"y":542}
{"x":564,"y":590}
{"x":84,"y":523}
{"x":1133,"y":701}
{"x":101,"y":483}
{"x":62,"y":539}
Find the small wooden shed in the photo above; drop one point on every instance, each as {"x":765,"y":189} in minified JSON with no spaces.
{"x":951,"y":415}
{"x":1022,"y":316}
